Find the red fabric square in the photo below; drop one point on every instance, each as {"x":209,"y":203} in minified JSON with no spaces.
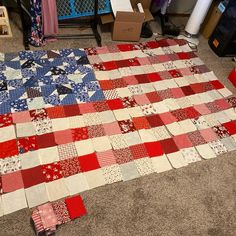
{"x":8,"y":149}
{"x":71,"y":110}
{"x":183,"y":55}
{"x":231,"y":127}
{"x":187,"y":90}
{"x":109,"y":65}
{"x":142,"y":79}
{"x":27,"y":144}
{"x":163,"y":43}
{"x":38,"y":114}
{"x":130,"y":80}
{"x":153,"y":77}
{"x":167,"y":118}
{"x":79,"y":134}
{"x":33,"y":176}
{"x":46,"y":140}
{"x":180,"y":114}
{"x":134,"y":62}
{"x":191,"y":112}
{"x":122,"y":63}
{"x":101,"y":106}
{"x":217,"y":84}
{"x":223,"y":104}
{"x":75,"y":207}
{"x":88,"y":162}
{"x":153,"y":97}
{"x":115,"y":104}
{"x":63,"y":136}
{"x":52,"y":171}
{"x":197,"y":88}
{"x":182,"y":141}
{"x":196,"y":138}
{"x":70,"y":166}
{"x":21,"y":117}
{"x":6,"y":120}
{"x":152,"y":44}
{"x":177,"y":92}
{"x":129,"y":102}
{"x":126,"y":126}
{"x":202,"y":109}
{"x":169,"y":146}
{"x":125,"y":47}
{"x":106,"y":84}
{"x":175,"y":73}
{"x":118,"y":83}
{"x":123,"y":155}
{"x":141,"y":123}
{"x":96,"y":131}
{"x":12,"y":182}
{"x":154,"y":149}
{"x":112,"y":128}
{"x":155,"y":120}
{"x":86,"y":108}
{"x":56,"y":112}
{"x":138,"y":151}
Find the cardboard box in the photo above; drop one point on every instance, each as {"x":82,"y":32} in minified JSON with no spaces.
{"x":127,"y":26}
{"x":5,"y":28}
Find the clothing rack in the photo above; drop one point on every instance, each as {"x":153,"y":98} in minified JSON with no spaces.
{"x":93,"y":23}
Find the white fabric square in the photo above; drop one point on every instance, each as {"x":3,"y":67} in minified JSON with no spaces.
{"x":48,"y":155}
{"x":205,"y":151}
{"x":123,"y":92}
{"x":171,"y":104}
{"x":14,"y":201}
{"x":161,"y":133}
{"x":60,"y":124}
{"x":195,"y":99}
{"x":36,"y":195}
{"x":170,"y":83}
{"x":160,"y":85}
{"x":214,"y":94}
{"x":76,"y":183}
{"x":160,"y":107}
{"x":95,"y":178}
{"x":183,"y":102}
{"x":118,"y":141}
{"x":101,"y":144}
{"x":29,"y":160}
{"x":132,"y":138}
{"x":148,"y":69}
{"x":179,"y":64}
{"x":144,"y":166}
{"x":159,"y":67}
{"x":121,"y":114}
{"x":181,"y":82}
{"x":107,"y":117}
{"x":222,"y":117}
{"x":177,"y":48}
{"x":76,"y":122}
{"x":147,"y":136}
{"x":137,"y":70}
{"x":211,"y":120}
{"x":101,"y":75}
{"x":190,"y":155}
{"x":125,"y":71}
{"x":84,"y":147}
{"x":106,"y":57}
{"x":200,"y":123}
{"x":161,"y":164}
{"x":129,"y":171}
{"x":147,"y":88}
{"x":177,"y":160}
{"x":135,"y":112}
{"x":191,"y":79}
{"x":174,"y":128}
{"x":225,"y":92}
{"x":231,"y":113}
{"x":114,"y":74}
{"x":92,"y":119}
{"x":25,"y":129}
{"x":112,"y":174}
{"x":57,"y":189}
{"x":7,"y":133}
{"x":205,"y":98}
{"x":187,"y":126}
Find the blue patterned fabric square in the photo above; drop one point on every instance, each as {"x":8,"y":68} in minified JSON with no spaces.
{"x":47,"y":90}
{"x":16,"y":93}
{"x":93,"y":86}
{"x":97,"y":96}
{"x":4,"y":95}
{"x":82,"y":97}
{"x":53,"y":100}
{"x":68,"y":99}
{"x":19,"y":105}
{"x":89,"y":77}
{"x":15,"y":83}
{"x":5,"y":107}
{"x":31,"y":82}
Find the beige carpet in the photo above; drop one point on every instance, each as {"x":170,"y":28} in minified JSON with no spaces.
{"x":196,"y":200}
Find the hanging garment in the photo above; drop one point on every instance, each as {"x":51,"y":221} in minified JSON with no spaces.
{"x":49,"y":18}
{"x":36,"y":35}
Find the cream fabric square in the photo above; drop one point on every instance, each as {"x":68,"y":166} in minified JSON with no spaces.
{"x":161,"y":164}
{"x":106,"y":57}
{"x":29,"y":160}
{"x":118,"y":56}
{"x":76,"y":183}
{"x":36,"y":195}
{"x":210,"y":76}
{"x":171,"y":104}
{"x":95,"y":178}
{"x":183,"y":102}
{"x":187,"y":126}
{"x":101,"y":75}
{"x":107,"y":117}
{"x":211,"y":120}
{"x":159,"y":85}
{"x":197,"y":61}
{"x":148,"y":69}
{"x":205,"y":151}
{"x":122,"y":114}
{"x":132,"y":138}
{"x":174,"y":128}
{"x":14,"y":201}
{"x":214,"y":94}
{"x":159,"y":67}
{"x":225,"y":92}
{"x":48,"y":155}
{"x":84,"y":147}
{"x":112,"y":174}
{"x":205,"y":98}
{"x":137,"y":70}
{"x":161,"y":133}
{"x":231,"y":113}
{"x":147,"y":136}
{"x":177,"y":160}
{"x":147,"y":88}
{"x":190,"y":155}
{"x":195,"y":99}
{"x":60,"y":124}
{"x":1,"y":207}
{"x":25,"y":129}
{"x":186,"y":48}
{"x":92,"y":119}
{"x":181,"y":82}
{"x":201,"y":78}
{"x":125,"y":71}
{"x":135,"y":112}
{"x":179,"y":64}
{"x":123,"y":92}
{"x":160,"y":107}
{"x":76,"y":122}
{"x":177,"y":48}
{"x":170,"y":83}
{"x":101,"y":144}
{"x":7,"y":133}
{"x":222,"y":117}
{"x":114,"y":74}
{"x":144,"y":166}
{"x":57,"y":189}
{"x":118,"y":141}
{"x":129,"y":171}
{"x":191,"y":79}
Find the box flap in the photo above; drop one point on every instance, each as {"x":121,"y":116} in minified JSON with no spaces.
{"x":107,"y":18}
{"x":148,"y":15}
{"x":130,"y":16}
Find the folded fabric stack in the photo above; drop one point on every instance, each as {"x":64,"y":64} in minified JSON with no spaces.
{"x":48,"y":216}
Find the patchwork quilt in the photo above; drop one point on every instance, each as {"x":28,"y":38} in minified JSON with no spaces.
{"x":76,"y":119}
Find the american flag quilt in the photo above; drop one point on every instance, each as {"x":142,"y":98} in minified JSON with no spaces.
{"x":75,"y":119}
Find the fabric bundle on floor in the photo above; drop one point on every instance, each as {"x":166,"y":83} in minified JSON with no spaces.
{"x":47,"y":217}
{"x":75,"y":119}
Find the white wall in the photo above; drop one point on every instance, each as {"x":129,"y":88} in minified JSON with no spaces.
{"x":182,"y":6}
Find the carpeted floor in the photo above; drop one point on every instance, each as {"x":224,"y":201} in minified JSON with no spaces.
{"x":196,"y":200}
